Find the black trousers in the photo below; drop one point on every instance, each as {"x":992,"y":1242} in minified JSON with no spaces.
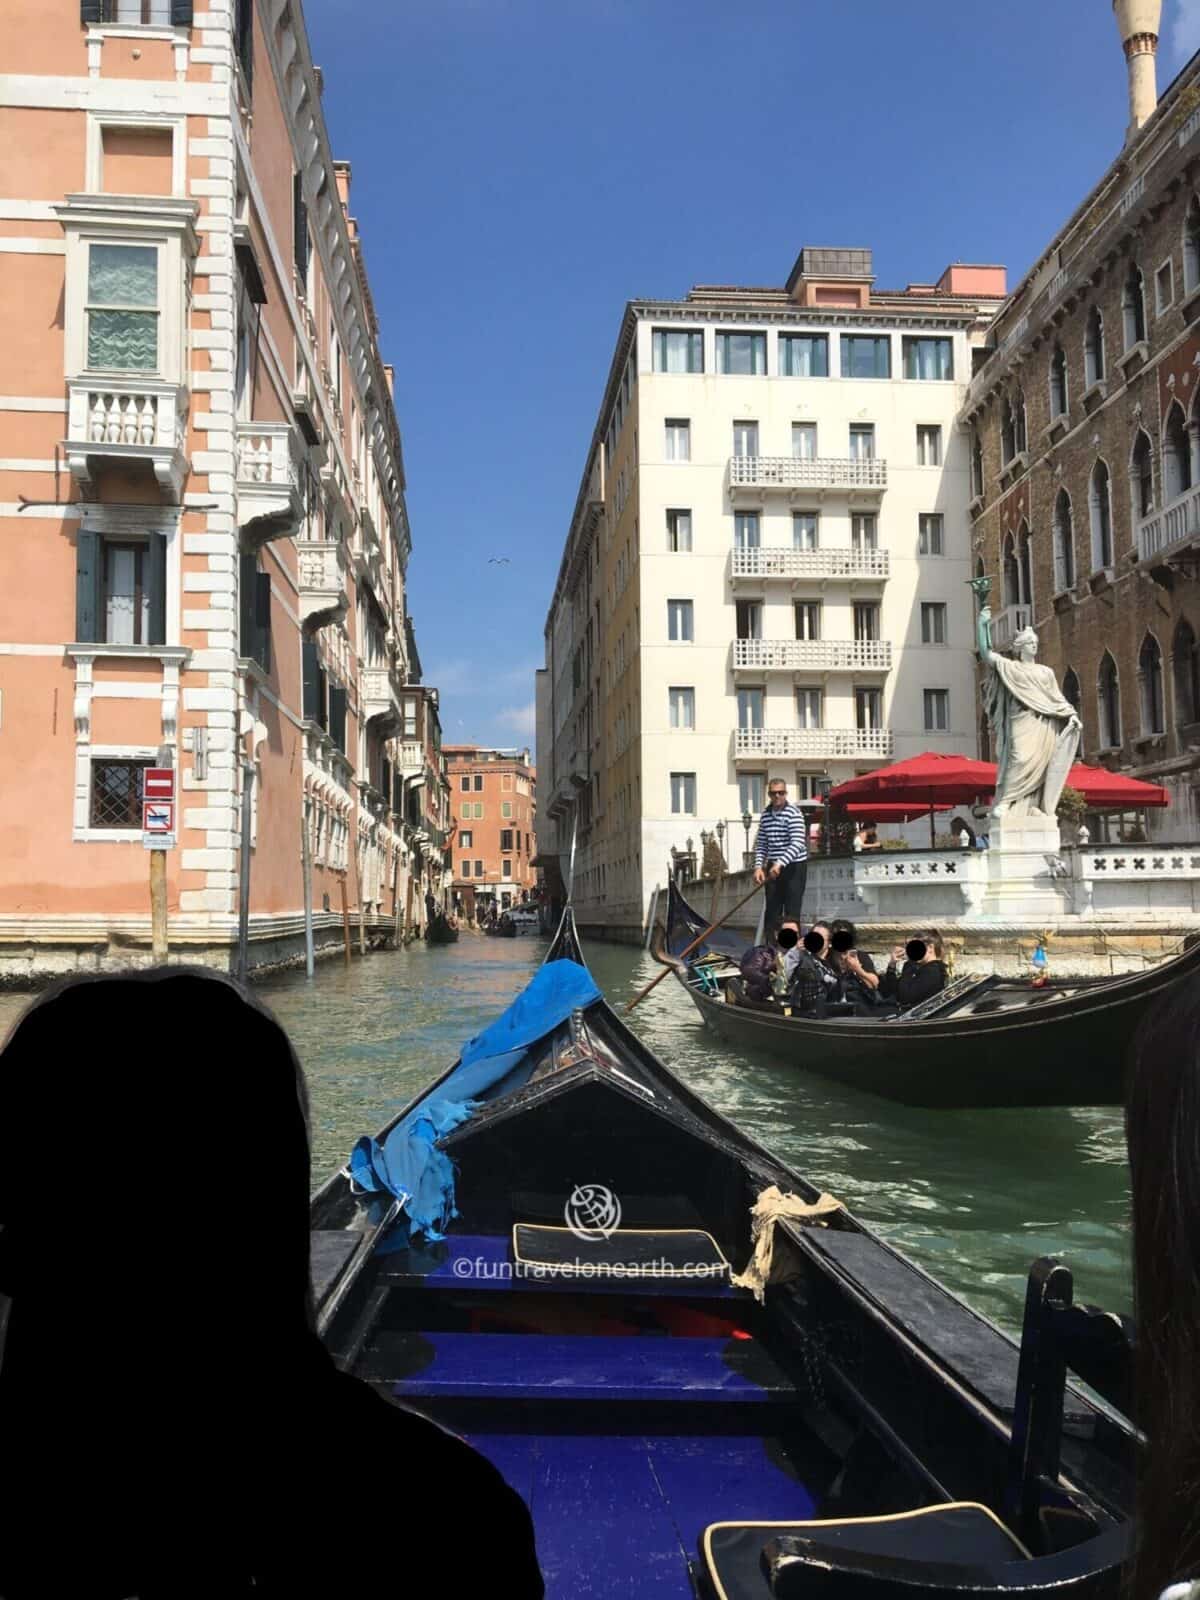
{"x":785,"y":896}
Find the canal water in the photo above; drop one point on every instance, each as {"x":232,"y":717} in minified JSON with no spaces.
{"x":974,"y":1196}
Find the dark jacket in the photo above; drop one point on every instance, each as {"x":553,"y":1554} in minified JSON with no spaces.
{"x":916,"y":981}
{"x":813,"y":984}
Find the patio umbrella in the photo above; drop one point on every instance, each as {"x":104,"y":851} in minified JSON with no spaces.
{"x":889,"y":810}
{"x":925,"y":782}
{"x":1113,"y":791}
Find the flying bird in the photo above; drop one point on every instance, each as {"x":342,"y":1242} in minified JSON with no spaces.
{"x":498,"y":561}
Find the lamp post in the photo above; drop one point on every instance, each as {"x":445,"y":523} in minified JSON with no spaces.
{"x":747,"y":819}
{"x":824,"y":784}
{"x":721,"y":838}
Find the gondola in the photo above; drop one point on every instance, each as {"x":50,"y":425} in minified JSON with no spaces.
{"x":983,"y":1042}
{"x":858,"y":1428}
{"x":439,"y":930}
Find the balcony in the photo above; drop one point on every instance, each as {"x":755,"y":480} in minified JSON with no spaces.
{"x":124,"y":422}
{"x":268,"y":481}
{"x":816,"y":476}
{"x":1007,"y":624}
{"x":812,"y":655}
{"x":812,"y":744}
{"x":323,"y":597}
{"x":410,"y":759}
{"x":853,"y":566}
{"x":1171,"y":531}
{"x":380,"y":694}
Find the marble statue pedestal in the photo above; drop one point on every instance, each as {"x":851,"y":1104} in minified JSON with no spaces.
{"x":1026,"y":880}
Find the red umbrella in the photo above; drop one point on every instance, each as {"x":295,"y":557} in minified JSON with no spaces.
{"x":1113,"y":791}
{"x":889,"y":810}
{"x":925,"y":782}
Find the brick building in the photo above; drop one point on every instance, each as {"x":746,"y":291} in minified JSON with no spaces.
{"x":1083,"y":419}
{"x":491,"y":795}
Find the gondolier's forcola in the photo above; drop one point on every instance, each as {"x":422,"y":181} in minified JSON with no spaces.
{"x":592,"y":1212}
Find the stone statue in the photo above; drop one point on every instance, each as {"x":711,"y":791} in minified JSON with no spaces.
{"x":1035,"y":728}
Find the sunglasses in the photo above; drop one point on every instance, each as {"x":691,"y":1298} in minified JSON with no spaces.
{"x":775,"y":793}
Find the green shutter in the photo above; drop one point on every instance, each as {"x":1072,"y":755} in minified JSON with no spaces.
{"x":262,"y":618}
{"x":245,"y":39}
{"x":90,"y":11}
{"x":312,"y":680}
{"x":156,"y":586}
{"x":88,"y":554}
{"x":247,"y":568}
{"x":337,"y":716}
{"x":181,"y":13}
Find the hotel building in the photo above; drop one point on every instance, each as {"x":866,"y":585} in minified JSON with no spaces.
{"x":491,"y":795}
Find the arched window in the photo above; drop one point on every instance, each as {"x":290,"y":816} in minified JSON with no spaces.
{"x":1093,"y":348}
{"x":1071,"y":691}
{"x":1191,"y":247}
{"x":1100,"y":506}
{"x":1025,"y":566}
{"x":1141,"y":476}
{"x":1108,"y":698}
{"x":980,"y":569}
{"x":1064,"y":544}
{"x":1058,"y":382}
{"x":1133,"y":307}
{"x":1185,"y":662}
{"x":1012,"y":573}
{"x":976,"y":464}
{"x":1177,"y":454}
{"x":1019,"y":435}
{"x":1150,"y":684}
{"x":1008,"y":433}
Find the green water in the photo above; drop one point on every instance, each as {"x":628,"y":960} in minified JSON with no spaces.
{"x":974,"y":1196}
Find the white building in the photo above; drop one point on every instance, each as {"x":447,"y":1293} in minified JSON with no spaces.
{"x":766,"y":573}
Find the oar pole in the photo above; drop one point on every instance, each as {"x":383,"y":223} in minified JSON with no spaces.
{"x":654,"y":982}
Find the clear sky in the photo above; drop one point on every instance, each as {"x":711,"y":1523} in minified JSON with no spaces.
{"x":522,"y":168}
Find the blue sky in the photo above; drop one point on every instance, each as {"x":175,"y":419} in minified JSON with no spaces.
{"x":524,"y":167}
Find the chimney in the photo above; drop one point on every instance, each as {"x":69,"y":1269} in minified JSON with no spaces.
{"x":1137,"y":22}
{"x":341,"y":172}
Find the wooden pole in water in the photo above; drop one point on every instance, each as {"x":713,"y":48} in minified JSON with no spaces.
{"x":345,"y":917}
{"x":158,"y":906}
{"x":654,"y":982}
{"x":362,"y":910}
{"x":396,"y":935}
{"x":306,"y":876}
{"x":243,"y":956}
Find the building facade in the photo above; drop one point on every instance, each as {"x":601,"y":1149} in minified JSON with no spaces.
{"x":492,"y":798}
{"x":1084,"y":430}
{"x":205,"y":534}
{"x":765,"y":572}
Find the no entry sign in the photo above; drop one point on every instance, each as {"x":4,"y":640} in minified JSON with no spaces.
{"x":159,"y":784}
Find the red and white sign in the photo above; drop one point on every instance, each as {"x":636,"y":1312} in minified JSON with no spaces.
{"x":159,"y":784}
{"x":158,"y":816}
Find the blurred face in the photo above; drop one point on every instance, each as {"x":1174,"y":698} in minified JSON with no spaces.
{"x":821,"y":930}
{"x":777,"y":794}
{"x":789,"y":935}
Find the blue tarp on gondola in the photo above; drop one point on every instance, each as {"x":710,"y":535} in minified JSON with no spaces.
{"x":408,"y":1164}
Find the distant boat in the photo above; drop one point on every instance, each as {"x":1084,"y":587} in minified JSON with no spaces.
{"x":440,"y":930}
{"x":524,"y":920}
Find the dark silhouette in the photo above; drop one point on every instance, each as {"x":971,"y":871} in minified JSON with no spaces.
{"x":170,"y":1424}
{"x":1163,"y":1130}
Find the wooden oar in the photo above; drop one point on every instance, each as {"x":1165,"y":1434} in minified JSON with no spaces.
{"x":687,"y":952}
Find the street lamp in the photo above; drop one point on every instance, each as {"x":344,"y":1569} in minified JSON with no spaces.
{"x":721,"y":839}
{"x":747,"y":819}
{"x":823,"y":786}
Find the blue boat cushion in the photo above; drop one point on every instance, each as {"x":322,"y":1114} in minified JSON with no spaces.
{"x":637,"y":1252}
{"x":959,"y":1533}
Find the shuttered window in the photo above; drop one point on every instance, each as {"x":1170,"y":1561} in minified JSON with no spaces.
{"x":299,"y":231}
{"x":120,"y":589}
{"x":255,"y":612}
{"x":315,"y":708}
{"x":337,"y":716}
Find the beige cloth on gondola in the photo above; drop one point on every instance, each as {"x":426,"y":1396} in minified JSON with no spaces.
{"x":769,"y":1264}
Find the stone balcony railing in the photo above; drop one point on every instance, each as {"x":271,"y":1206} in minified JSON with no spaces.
{"x":835,"y":562}
{"x":128,"y":421}
{"x":323,"y":597}
{"x":1170,"y":530}
{"x":812,"y":655}
{"x":820,"y":744}
{"x":410,"y":758}
{"x":1008,"y":622}
{"x":380,"y":694}
{"x":797,"y":472}
{"x":268,"y":477}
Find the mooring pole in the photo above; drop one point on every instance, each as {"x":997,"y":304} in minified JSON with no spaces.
{"x":243,"y":957}
{"x":306,"y":873}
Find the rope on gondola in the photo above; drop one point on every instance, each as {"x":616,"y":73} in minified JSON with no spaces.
{"x":771,"y":1208}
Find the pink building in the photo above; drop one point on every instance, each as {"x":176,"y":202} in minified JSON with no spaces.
{"x":201,"y":491}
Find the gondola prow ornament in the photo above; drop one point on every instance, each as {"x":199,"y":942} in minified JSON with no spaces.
{"x":1036,"y":729}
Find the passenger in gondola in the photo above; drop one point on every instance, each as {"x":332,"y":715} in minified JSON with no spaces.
{"x":916,"y":972}
{"x":168,"y":1415}
{"x":858,"y":979}
{"x":814,"y":983}
{"x":788,"y":946}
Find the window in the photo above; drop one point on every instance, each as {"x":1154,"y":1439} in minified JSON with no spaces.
{"x":1191,"y":247}
{"x":506,"y":841}
{"x":679,"y":532}
{"x":479,"y":869}
{"x":682,"y":704}
{"x":862,"y":441}
{"x":868,"y":709}
{"x":1133,"y":307}
{"x":742,"y":354}
{"x":804,"y":355}
{"x":1164,"y":288}
{"x":679,"y":621}
{"x":748,"y":619}
{"x":929,"y":445}
{"x":465,"y":869}
{"x":745,"y":438}
{"x":808,"y":618}
{"x":300,"y":245}
{"x":750,"y":708}
{"x":864,"y":531}
{"x":466,"y":838}
{"x":1100,"y":506}
{"x":506,"y":782}
{"x":806,"y":530}
{"x":752,"y":792}
{"x":976,"y":465}
{"x":506,"y":808}
{"x":478,"y":782}
{"x":122,"y":308}
{"x":747,"y":530}
{"x":506,"y":869}
{"x":678,"y":445}
{"x":1093,"y":348}
{"x":120,"y":593}
{"x":1064,"y":544}
{"x":937,"y":710}
{"x":933,"y":622}
{"x":1058,"y":382}
{"x":866,"y":620}
{"x":1025,"y":565}
{"x":254,"y":592}
{"x":929,"y":359}
{"x":809,"y":708}
{"x":1177,"y":455}
{"x":804,"y":441}
{"x":116,"y":793}
{"x":931,"y":530}
{"x":464,"y":784}
{"x":1150,"y":683}
{"x":1186,"y":665}
{"x":1012,"y":427}
{"x":1070,"y":688}
{"x":683,"y":794}
{"x":866,"y":356}
{"x":678,"y":351}
{"x":410,"y":716}
{"x":467,"y":811}
{"x":1108,"y":697}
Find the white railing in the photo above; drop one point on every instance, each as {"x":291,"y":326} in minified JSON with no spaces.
{"x":845,"y":744}
{"x":828,"y":563}
{"x":797,"y":472}
{"x":1058,"y":283}
{"x":1176,"y":524}
{"x":1007,"y":624}
{"x":818,"y":655}
{"x":1132,"y":195}
{"x":123,"y":414}
{"x":318,"y":565}
{"x":264,"y":455}
{"x":379,"y":691}
{"x":1138,"y":861}
{"x":410,"y":757}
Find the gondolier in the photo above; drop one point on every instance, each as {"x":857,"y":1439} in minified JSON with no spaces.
{"x":781,"y":855}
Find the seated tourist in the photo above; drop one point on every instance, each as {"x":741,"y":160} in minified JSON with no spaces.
{"x":855,"y":968}
{"x":922,"y":975}
{"x":758,"y":968}
{"x":787,"y":942}
{"x":814,"y":983}
{"x":962,"y":833}
{"x":871,"y":839}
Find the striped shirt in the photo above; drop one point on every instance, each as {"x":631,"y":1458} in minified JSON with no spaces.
{"x":782,"y":836}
